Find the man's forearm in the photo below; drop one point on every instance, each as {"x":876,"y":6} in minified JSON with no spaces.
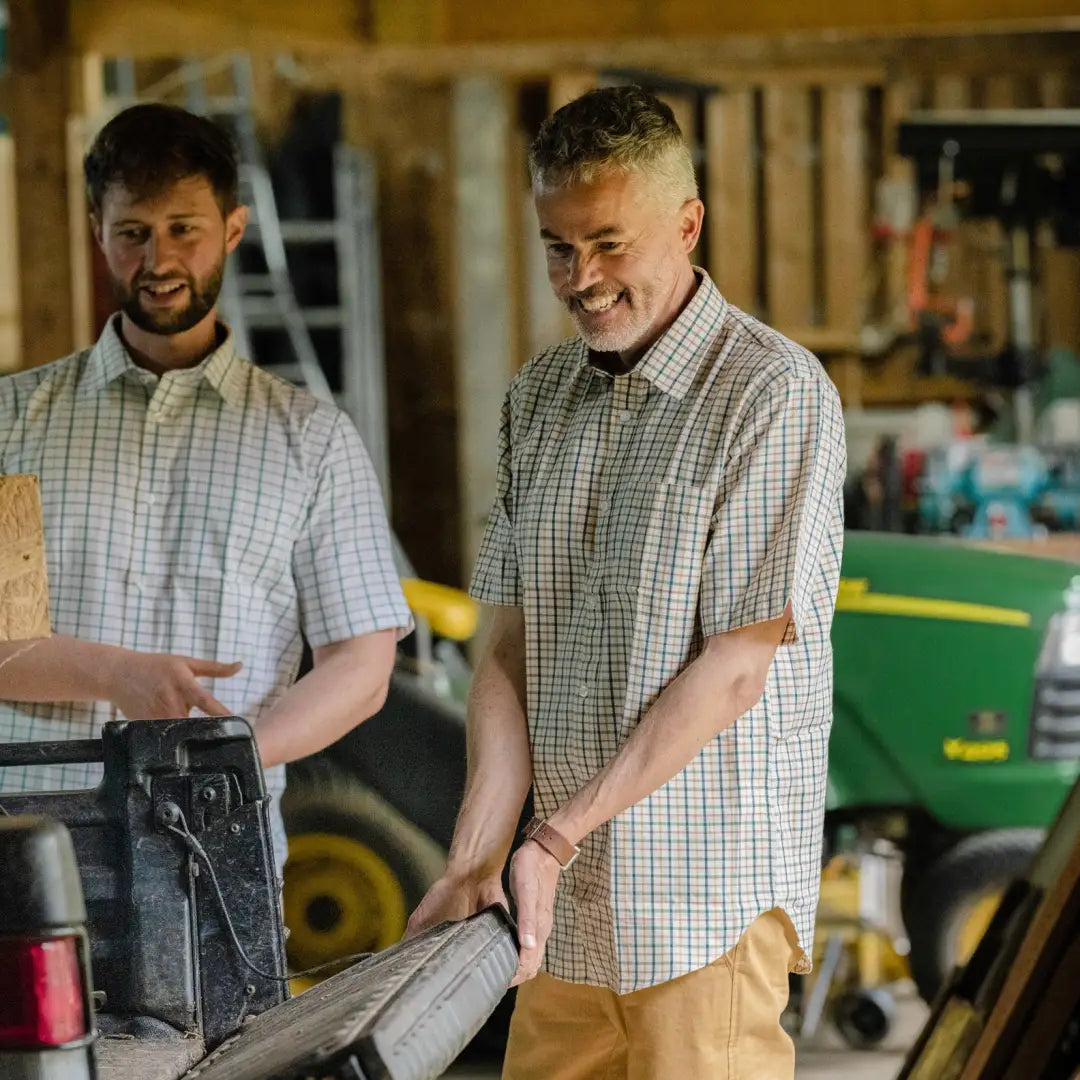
{"x":499,"y":759}
{"x":347,"y":685}
{"x":56,"y":668}
{"x":725,"y":682}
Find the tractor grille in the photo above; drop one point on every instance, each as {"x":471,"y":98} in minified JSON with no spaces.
{"x":1055,"y":717}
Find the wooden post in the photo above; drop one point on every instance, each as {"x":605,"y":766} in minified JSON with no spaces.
{"x":731,"y":196}
{"x":483,"y":315}
{"x":40,"y":98}
{"x":845,"y":204}
{"x":789,"y":248}
{"x":408,"y":128}
{"x":24,"y":584}
{"x":899,"y":182}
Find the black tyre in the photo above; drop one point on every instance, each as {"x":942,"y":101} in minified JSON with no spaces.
{"x":864,"y":1017}
{"x":356,"y":869}
{"x":949,"y":904}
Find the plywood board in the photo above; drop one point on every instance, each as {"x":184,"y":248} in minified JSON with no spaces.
{"x":24,"y":585}
{"x":9,"y":260}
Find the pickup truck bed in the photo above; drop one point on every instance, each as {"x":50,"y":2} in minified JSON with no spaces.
{"x":183,"y":929}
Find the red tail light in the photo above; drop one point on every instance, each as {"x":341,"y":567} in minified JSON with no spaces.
{"x":41,"y":992}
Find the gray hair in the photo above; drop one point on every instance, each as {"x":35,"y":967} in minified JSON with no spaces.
{"x":613,"y":129}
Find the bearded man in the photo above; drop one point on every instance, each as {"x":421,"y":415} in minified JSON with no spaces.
{"x":202,"y":517}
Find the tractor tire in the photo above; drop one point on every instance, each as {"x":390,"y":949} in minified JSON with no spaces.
{"x":356,"y":869}
{"x":949,"y":904}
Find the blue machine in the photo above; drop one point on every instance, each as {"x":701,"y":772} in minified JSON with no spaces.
{"x":984,"y":491}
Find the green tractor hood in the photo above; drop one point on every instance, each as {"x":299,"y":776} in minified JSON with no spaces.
{"x":937,"y":642}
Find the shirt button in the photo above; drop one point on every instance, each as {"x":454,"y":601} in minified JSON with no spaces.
{"x":584,"y":691}
{"x":151,"y":498}
{"x":625,"y":416}
{"x":605,"y":505}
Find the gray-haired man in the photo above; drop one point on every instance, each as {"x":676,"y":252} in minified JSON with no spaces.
{"x":663,"y":555}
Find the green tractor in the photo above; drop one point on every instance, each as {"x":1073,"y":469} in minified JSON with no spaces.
{"x":956,"y":728}
{"x":956,"y":736}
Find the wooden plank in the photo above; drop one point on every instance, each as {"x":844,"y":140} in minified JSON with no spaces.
{"x":727,"y":61}
{"x":789,"y":246}
{"x":898,"y":192}
{"x":469,"y":21}
{"x":140,"y":26}
{"x":9,"y":260}
{"x":1042,"y":1036}
{"x":731,"y":197}
{"x":1002,"y":91}
{"x":40,"y":99}
{"x":24,"y":583}
{"x":845,"y":206}
{"x":173,"y":27}
{"x":1051,"y":927}
{"x":952,"y":91}
{"x":846,"y":373}
{"x":1053,"y":89}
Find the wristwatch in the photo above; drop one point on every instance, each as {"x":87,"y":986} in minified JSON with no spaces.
{"x":552,"y":841}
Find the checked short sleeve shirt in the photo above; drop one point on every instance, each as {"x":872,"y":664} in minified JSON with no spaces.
{"x":217,"y":512}
{"x":635,"y":515}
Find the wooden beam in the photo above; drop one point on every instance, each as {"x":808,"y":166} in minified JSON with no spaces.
{"x":472,"y":21}
{"x":731,"y":197}
{"x":789,"y":247}
{"x":169,"y":27}
{"x":845,"y":206}
{"x":408,"y":128}
{"x":40,"y":84}
{"x":727,"y":61}
{"x":142,"y":28}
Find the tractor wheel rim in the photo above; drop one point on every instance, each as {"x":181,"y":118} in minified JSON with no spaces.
{"x":339,"y":897}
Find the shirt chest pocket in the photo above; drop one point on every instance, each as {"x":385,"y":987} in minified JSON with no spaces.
{"x":245,"y":539}
{"x":655,"y":540}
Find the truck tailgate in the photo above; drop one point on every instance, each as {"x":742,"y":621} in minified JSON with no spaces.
{"x":405,"y":1014}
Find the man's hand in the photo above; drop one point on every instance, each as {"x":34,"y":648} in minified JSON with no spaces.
{"x":160,"y":686}
{"x":453,"y":898}
{"x":534,"y":875}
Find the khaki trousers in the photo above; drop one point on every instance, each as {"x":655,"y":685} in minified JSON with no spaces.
{"x":721,"y":1022}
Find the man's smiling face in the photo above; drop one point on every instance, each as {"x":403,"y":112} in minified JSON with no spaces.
{"x":166,"y":252}
{"x":617,"y":252}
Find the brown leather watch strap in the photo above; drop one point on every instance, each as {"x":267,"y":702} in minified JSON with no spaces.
{"x":552,"y":841}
